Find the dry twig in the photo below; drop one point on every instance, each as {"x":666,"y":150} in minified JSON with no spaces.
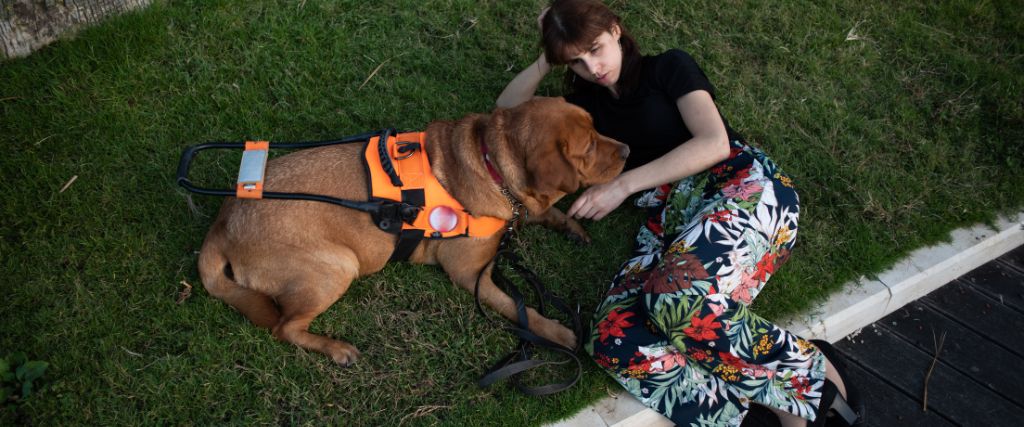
{"x":935,"y":359}
{"x":65,"y":187}
{"x":374,"y":73}
{"x":421,"y":411}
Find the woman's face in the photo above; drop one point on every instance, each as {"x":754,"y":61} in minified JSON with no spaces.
{"x":602,"y":63}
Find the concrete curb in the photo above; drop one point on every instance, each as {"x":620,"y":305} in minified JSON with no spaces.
{"x":861,"y":303}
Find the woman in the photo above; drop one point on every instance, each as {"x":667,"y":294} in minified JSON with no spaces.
{"x":675,"y":329}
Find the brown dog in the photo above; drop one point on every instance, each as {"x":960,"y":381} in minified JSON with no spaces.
{"x":282,"y":263}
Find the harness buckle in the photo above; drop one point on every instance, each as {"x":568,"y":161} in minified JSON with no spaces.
{"x":389,"y":215}
{"x":406,"y":149}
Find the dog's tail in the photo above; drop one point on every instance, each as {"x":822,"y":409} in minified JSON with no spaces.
{"x":219,"y":279}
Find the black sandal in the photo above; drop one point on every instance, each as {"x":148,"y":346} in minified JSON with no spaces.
{"x":834,"y":410}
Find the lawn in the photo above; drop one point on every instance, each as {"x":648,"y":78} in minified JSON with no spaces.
{"x":900,"y":121}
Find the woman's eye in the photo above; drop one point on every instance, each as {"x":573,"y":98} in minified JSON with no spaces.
{"x":595,"y":49}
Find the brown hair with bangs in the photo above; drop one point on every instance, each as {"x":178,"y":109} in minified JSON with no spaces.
{"x":571,"y":26}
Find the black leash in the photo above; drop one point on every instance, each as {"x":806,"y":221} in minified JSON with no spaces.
{"x":521,"y":359}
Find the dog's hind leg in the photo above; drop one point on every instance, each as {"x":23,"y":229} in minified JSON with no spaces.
{"x":219,"y":280}
{"x":309,"y":296}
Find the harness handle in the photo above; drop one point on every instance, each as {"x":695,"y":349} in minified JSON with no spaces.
{"x":374,"y":207}
{"x":185,"y":163}
{"x":385,"y":158}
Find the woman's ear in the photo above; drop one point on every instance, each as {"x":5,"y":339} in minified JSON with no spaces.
{"x":616,"y":31}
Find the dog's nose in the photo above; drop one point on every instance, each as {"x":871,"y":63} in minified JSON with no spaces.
{"x":624,"y":151}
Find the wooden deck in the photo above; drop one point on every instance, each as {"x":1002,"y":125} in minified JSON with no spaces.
{"x":976,"y":378}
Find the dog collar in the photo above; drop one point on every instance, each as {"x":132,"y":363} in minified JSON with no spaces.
{"x":512,"y":201}
{"x":490,"y":167}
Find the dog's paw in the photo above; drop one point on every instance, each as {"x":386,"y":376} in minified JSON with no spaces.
{"x":562,"y":335}
{"x":579,"y":239}
{"x":343,"y":353}
{"x":575,"y":232}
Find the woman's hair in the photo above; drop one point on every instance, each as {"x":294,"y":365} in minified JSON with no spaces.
{"x":571,"y":26}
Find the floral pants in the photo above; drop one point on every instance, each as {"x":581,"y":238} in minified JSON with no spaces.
{"x":675,"y":328}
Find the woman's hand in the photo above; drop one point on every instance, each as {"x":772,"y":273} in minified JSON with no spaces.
{"x":599,"y":200}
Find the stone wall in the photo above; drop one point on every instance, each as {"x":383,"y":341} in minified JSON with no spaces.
{"x":27,"y":25}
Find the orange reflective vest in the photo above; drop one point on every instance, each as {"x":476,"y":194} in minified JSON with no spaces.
{"x":441,"y":215}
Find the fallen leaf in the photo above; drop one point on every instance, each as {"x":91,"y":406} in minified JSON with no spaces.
{"x":185,"y":293}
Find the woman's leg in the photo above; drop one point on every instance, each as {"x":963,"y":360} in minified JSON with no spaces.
{"x":789,"y":420}
{"x":675,"y":329}
{"x":626,"y":344}
{"x":722,"y":254}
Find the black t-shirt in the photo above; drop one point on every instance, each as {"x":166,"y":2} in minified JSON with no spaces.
{"x":648,"y":119}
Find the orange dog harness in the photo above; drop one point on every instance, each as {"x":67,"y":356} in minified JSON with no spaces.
{"x":406,"y":198}
{"x":412,"y":182}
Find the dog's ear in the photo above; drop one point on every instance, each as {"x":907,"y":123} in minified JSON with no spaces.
{"x":579,"y":144}
{"x":552,"y":167}
{"x":596,"y":158}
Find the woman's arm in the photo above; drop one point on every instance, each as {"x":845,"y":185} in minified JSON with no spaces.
{"x":524,"y":85}
{"x":709,"y":145}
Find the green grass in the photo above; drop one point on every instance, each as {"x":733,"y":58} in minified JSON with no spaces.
{"x":897,"y":131}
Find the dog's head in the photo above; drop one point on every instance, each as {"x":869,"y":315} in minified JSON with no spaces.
{"x":560,"y":150}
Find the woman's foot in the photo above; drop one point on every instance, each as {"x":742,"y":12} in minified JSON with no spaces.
{"x":840,"y":405}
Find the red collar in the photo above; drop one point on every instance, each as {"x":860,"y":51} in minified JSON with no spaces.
{"x":490,"y":168}
{"x":512,"y":201}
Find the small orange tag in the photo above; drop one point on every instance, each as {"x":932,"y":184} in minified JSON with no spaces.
{"x":249,"y":191}
{"x":252,"y":169}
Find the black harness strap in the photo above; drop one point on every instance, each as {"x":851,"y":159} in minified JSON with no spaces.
{"x":521,"y":359}
{"x":385,"y":158}
{"x":407,"y":242}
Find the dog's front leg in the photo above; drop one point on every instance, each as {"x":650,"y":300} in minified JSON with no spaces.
{"x":557,"y":220}
{"x":465,"y":261}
